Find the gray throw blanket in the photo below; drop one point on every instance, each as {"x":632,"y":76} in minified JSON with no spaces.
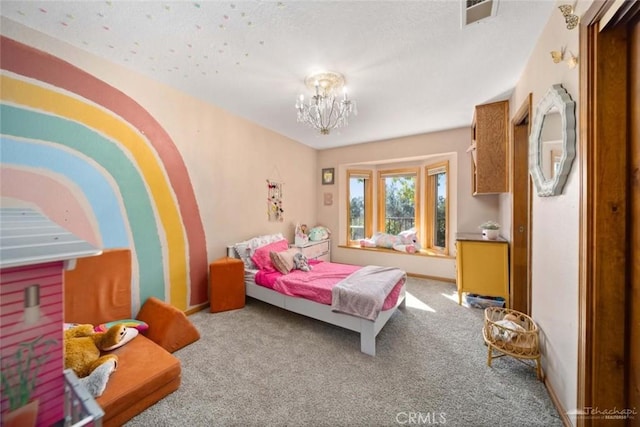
{"x":363,"y":292}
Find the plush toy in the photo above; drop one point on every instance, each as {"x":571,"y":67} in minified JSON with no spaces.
{"x":301,"y":237}
{"x":300,"y":262}
{"x":507,"y":328}
{"x":97,"y":380}
{"x":319,"y":233}
{"x":405,"y":241}
{"x":82,"y":353}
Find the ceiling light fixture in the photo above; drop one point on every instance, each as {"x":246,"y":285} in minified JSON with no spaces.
{"x":325,"y":110}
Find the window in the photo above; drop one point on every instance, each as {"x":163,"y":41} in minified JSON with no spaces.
{"x":359,"y":200}
{"x":437,"y":207}
{"x":398,"y":200}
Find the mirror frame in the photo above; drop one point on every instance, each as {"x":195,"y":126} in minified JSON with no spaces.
{"x":558,"y":97}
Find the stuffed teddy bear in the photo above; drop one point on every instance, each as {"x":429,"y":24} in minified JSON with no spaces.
{"x":82,"y":349}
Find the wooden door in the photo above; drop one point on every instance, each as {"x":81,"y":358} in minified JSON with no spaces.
{"x":521,"y":211}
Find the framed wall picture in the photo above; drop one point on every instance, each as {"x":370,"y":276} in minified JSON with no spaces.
{"x":327,"y":176}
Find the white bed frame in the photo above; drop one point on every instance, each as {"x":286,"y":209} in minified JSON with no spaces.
{"x":368,"y":329}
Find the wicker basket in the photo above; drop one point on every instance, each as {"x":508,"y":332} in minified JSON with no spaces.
{"x":519,"y":339}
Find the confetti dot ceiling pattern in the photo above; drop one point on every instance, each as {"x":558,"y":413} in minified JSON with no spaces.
{"x":193,"y":28}
{"x":251,"y":57}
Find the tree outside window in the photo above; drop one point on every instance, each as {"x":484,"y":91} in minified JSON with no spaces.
{"x":437,"y":212}
{"x":360,"y":198}
{"x":398,"y":203}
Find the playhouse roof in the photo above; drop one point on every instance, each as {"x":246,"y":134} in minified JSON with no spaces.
{"x":28,"y":237}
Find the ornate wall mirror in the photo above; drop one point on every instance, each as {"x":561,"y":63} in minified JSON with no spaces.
{"x":552,"y":143}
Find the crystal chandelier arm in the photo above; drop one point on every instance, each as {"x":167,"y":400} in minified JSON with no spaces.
{"x":336,"y":116}
{"x":326,"y":109}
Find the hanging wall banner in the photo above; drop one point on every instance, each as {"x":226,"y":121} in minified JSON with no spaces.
{"x":274,"y":201}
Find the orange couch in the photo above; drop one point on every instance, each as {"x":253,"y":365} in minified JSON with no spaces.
{"x":98,"y":290}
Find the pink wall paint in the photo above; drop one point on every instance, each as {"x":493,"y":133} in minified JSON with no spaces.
{"x":29,"y":62}
{"x":54,"y":197}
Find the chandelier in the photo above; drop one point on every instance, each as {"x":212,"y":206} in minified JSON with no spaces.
{"x":325,"y":110}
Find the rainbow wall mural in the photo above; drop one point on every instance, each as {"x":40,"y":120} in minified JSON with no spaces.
{"x":97,"y":163}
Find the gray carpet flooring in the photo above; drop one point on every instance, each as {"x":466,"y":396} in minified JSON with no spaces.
{"x":263,"y":366}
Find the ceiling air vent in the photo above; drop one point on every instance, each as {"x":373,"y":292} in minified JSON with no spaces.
{"x":476,"y":10}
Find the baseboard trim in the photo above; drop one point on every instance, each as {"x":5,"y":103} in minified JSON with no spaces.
{"x":425,"y":276}
{"x":566,"y":422}
{"x":196,"y":309}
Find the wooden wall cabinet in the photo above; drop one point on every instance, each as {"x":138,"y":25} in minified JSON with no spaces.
{"x":482,"y":266}
{"x":490,"y":133}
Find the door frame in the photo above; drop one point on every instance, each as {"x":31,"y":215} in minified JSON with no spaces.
{"x":603,"y":354}
{"x":519,"y":291}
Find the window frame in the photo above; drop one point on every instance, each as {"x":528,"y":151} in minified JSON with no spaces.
{"x":382,"y":198}
{"x":431,"y":207}
{"x":368,"y":203}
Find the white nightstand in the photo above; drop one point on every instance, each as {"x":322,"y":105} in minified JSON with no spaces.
{"x":320,"y":250}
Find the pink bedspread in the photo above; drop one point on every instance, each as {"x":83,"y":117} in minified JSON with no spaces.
{"x":316,"y":285}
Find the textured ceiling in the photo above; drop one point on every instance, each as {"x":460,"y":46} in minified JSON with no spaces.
{"x":409,"y":65}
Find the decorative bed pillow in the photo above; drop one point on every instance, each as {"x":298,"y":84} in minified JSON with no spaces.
{"x":246,"y":249}
{"x":291,"y":259}
{"x":261,"y":257}
{"x":242,"y":249}
{"x":283,"y":261}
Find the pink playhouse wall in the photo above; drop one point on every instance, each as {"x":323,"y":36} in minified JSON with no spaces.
{"x":38,"y":324}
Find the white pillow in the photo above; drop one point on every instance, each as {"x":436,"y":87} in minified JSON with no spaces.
{"x":246,"y":249}
{"x":507,"y":331}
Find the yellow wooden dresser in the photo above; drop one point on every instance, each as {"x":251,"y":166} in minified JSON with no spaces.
{"x":482,"y":266}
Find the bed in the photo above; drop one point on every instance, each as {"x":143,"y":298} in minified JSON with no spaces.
{"x":296,"y":299}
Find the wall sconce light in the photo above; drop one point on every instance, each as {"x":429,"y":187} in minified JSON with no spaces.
{"x":570,"y":18}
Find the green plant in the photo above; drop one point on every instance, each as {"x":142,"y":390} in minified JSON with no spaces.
{"x":20,"y":372}
{"x":490,"y":225}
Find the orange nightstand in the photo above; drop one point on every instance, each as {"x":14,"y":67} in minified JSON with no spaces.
{"x":226,"y":284}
